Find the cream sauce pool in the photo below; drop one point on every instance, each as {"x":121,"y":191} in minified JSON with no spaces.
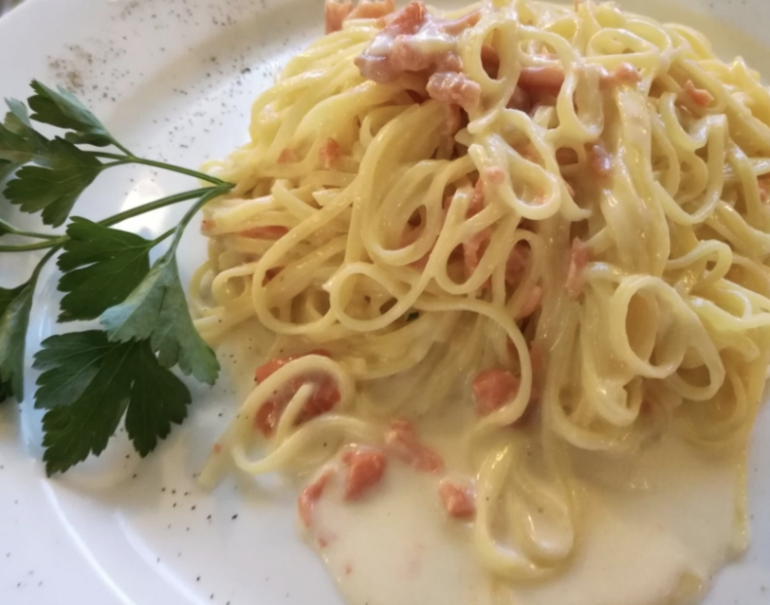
{"x":651,"y":530}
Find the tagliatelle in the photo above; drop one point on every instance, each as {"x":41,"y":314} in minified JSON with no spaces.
{"x":575,"y":196}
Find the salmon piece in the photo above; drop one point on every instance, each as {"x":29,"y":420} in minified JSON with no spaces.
{"x":271,"y":274}
{"x":456,"y":88}
{"x":476,"y":204}
{"x":266,"y":370}
{"x":372,"y":9}
{"x":490,"y":60}
{"x":528,"y":152}
{"x":403,"y":443}
{"x":531,"y":303}
{"x":416,"y":96}
{"x":473,"y":249}
{"x":495,"y":175}
{"x":366,"y":466}
{"x":267,"y":418}
{"x":335,"y":14}
{"x":408,"y":20}
{"x":566,"y":156}
{"x":700,"y":96}
{"x":207,"y":226}
{"x":312,"y":494}
{"x":532,"y":80}
{"x":457,"y":26}
{"x":543,"y":80}
{"x":406,"y":55}
{"x":329,"y":153}
{"x":376,"y":68}
{"x":600,"y":160}
{"x":454,"y":119}
{"x":517,"y":263}
{"x":521,"y":100}
{"x":324,"y":397}
{"x":410,"y":236}
{"x":268,"y":232}
{"x":580,"y":256}
{"x":217,"y":448}
{"x":625,"y":73}
{"x":448,"y":62}
{"x":406,"y":39}
{"x":458,"y":501}
{"x":287,"y":157}
{"x":492,"y":389}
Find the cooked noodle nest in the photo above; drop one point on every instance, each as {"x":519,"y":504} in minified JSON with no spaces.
{"x":355,"y":225}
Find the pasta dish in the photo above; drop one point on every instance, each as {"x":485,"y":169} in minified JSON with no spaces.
{"x":491,"y":244}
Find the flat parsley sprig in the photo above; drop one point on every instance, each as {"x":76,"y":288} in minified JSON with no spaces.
{"x":92,"y":380}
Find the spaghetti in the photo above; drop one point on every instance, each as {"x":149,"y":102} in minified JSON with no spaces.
{"x":560,"y":212}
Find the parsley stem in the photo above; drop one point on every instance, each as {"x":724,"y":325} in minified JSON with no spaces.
{"x":206,"y":194}
{"x":41,"y":264}
{"x":51,"y":243}
{"x":212,"y":193}
{"x":8,"y":229}
{"x":36,"y":235}
{"x":132,"y":159}
{"x":163,"y":236}
{"x":122,"y":148}
{"x":166,"y":201}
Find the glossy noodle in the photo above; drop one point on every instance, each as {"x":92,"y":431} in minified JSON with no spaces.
{"x":567,"y":200}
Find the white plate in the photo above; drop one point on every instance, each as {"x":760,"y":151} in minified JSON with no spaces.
{"x":175,"y":79}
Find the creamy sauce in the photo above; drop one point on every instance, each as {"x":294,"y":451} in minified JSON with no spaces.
{"x":397,"y":545}
{"x":652,"y":529}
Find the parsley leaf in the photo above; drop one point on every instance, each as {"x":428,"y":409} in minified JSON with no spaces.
{"x":17,"y":146}
{"x":61,"y":108}
{"x":56,"y":186}
{"x":15,"y":306}
{"x":62,"y":174}
{"x":7,"y":168}
{"x":101,"y":267}
{"x":91,"y":380}
{"x":158,"y":399}
{"x":113,"y":379}
{"x":157,"y":310}
{"x":14,"y":147}
{"x":17,"y":121}
{"x":69,"y":364}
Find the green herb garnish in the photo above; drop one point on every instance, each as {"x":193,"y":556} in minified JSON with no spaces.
{"x":92,"y":380}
